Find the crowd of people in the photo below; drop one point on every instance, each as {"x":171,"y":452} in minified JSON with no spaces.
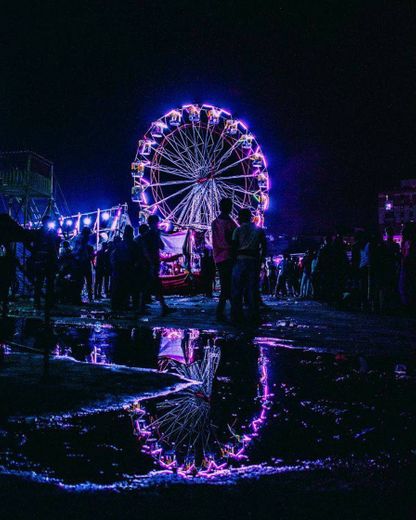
{"x":125,"y":270}
{"x":371,"y":273}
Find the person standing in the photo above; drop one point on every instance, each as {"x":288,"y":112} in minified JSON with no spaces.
{"x":44,"y":261}
{"x":66,"y":282}
{"x":100,"y":270}
{"x":222,"y":232}
{"x":123,"y":259}
{"x":365,"y":273}
{"x":249,"y":249}
{"x":84,"y":255}
{"x":306,"y":284}
{"x":407,"y":281}
{"x":283,"y":276}
{"x":391,"y":271}
{"x":207,"y":272}
{"x":7,"y":269}
{"x":152,"y":244}
{"x":141,"y":276}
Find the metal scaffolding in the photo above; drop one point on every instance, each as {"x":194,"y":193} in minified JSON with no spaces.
{"x":26,"y":186}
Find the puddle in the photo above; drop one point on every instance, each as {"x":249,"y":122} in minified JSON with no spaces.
{"x":261,"y":406}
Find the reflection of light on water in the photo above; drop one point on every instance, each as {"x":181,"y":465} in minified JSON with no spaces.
{"x":181,"y":437}
{"x":100,"y":345}
{"x":5,"y":350}
{"x":98,"y":356}
{"x":62,"y":351}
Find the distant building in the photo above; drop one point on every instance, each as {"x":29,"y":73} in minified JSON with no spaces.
{"x":397,"y":206}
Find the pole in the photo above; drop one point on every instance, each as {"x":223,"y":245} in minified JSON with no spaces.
{"x":97,"y":226}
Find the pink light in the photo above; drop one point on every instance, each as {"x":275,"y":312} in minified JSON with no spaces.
{"x":165,"y":225}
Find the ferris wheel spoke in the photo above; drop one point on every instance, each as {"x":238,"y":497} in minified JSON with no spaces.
{"x":198,"y":154}
{"x":218,"y":147}
{"x":179,"y":207}
{"x":226,"y":155}
{"x":187,"y":203}
{"x":180,"y":149}
{"x":222,"y":170}
{"x":181,"y":135}
{"x":172,"y":157}
{"x":234,"y":184}
{"x":228,"y":191}
{"x":238,"y":189}
{"x":170,"y":183}
{"x":230,"y":177}
{"x":218,"y":194}
{"x":202,"y":134}
{"x":208,"y":133}
{"x":202,"y":209}
{"x":193,"y":212}
{"x":194,"y":145}
{"x":171,"y":171}
{"x":189,"y":211}
{"x":209,"y":142}
{"x":161,"y":201}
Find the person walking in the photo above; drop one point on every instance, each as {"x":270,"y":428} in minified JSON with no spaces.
{"x":249,"y":250}
{"x":222,"y":232}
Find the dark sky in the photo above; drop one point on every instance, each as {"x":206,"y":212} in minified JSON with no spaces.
{"x":327,"y":87}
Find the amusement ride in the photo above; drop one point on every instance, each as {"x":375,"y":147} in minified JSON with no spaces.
{"x":187,"y":161}
{"x":192,"y":157}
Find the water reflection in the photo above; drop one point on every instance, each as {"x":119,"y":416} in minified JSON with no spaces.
{"x":258,"y":404}
{"x":183,"y":433}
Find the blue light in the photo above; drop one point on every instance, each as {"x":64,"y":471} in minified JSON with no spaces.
{"x":106,"y":216}
{"x":52,"y":225}
{"x":68,"y":222}
{"x":87,"y":221}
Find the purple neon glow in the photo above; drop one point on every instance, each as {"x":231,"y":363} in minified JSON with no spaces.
{"x":155,"y":201}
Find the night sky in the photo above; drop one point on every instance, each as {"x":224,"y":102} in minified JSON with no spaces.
{"x":327,"y":87}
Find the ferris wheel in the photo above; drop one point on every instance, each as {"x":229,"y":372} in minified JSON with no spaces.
{"x":190,"y":159}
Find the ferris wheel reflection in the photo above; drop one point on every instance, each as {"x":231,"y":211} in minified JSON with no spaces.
{"x":200,"y":431}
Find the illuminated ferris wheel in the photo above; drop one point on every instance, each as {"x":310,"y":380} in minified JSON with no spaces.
{"x":190,"y":159}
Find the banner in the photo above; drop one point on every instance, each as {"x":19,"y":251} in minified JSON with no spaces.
{"x":174,"y":242}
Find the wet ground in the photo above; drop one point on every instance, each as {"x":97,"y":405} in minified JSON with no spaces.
{"x":276,"y":424}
